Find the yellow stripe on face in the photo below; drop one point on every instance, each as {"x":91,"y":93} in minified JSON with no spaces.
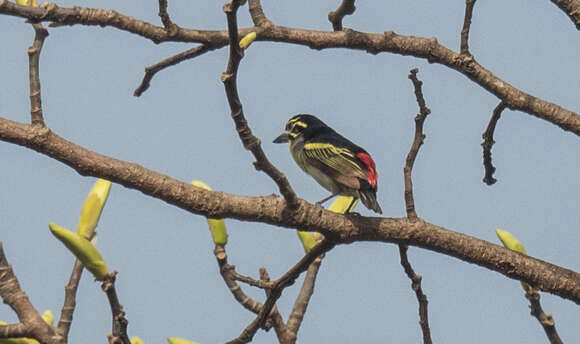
{"x":300,"y":124}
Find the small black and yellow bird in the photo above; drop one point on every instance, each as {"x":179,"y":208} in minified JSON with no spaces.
{"x":336,"y":163}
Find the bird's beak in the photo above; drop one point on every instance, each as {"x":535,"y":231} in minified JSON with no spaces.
{"x":282,"y":138}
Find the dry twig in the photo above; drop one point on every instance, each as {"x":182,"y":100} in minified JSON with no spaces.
{"x":40,"y":33}
{"x":417,"y":142}
{"x":278,"y":286}
{"x":546,"y":320}
{"x":119,"y":326}
{"x":168,"y":62}
{"x":251,"y":142}
{"x":464,"y":48}
{"x":70,"y":292}
{"x":410,"y":203}
{"x":488,"y":143}
{"x":345,"y":8}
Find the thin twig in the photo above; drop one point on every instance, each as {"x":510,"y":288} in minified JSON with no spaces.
{"x":250,"y":142}
{"x":546,"y":320}
{"x":410,"y":203}
{"x":417,"y":142}
{"x":70,"y":292}
{"x":228,"y":273}
{"x":303,"y":299}
{"x":257,"y":14}
{"x":279,"y":285}
{"x":275,"y":316}
{"x":488,"y":143}
{"x":119,"y":326}
{"x":170,"y":61}
{"x":170,"y":26}
{"x":346,"y":7}
{"x":464,"y":48}
{"x":40,"y":34}
{"x":421,"y":298}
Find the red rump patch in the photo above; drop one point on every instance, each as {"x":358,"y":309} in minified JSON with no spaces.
{"x":371,"y":170}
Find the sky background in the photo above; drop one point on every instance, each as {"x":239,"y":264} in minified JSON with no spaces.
{"x":168,"y":279}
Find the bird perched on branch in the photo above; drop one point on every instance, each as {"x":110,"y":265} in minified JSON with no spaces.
{"x":336,"y":163}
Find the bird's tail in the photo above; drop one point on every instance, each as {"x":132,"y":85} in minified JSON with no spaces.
{"x":369,"y":199}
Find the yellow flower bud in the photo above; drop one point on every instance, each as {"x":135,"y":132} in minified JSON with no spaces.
{"x":217,"y":227}
{"x":247,"y":40}
{"x":82,"y":249}
{"x":92,"y":208}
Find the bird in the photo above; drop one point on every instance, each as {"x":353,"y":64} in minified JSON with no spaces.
{"x":337,"y":164}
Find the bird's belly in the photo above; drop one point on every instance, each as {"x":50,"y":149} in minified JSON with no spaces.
{"x":328,"y":183}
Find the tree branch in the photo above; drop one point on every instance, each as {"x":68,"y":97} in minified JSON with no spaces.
{"x":345,"y":8}
{"x":425,"y":48}
{"x":464,"y":48}
{"x":250,"y":142}
{"x":170,"y":61}
{"x":257,"y":13}
{"x":119,"y":326}
{"x":546,"y":320}
{"x":40,"y":33}
{"x":29,"y":317}
{"x":488,"y":143}
{"x":70,"y":292}
{"x":14,"y":331}
{"x":228,"y":274}
{"x":410,"y":203}
{"x":421,"y":298}
{"x":303,"y":299}
{"x":278,"y":286}
{"x":417,"y":142}
{"x":571,"y":8}
{"x":170,"y":26}
{"x":271,"y":210}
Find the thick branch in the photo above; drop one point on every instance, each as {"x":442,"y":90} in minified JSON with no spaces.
{"x":271,"y":210}
{"x":40,"y":34}
{"x":571,"y":8}
{"x":374,"y":43}
{"x":14,"y":331}
{"x":345,"y":8}
{"x":488,"y":143}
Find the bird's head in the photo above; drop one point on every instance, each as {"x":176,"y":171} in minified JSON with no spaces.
{"x":299,"y":125}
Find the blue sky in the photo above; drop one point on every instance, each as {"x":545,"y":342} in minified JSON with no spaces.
{"x":168,"y":280}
